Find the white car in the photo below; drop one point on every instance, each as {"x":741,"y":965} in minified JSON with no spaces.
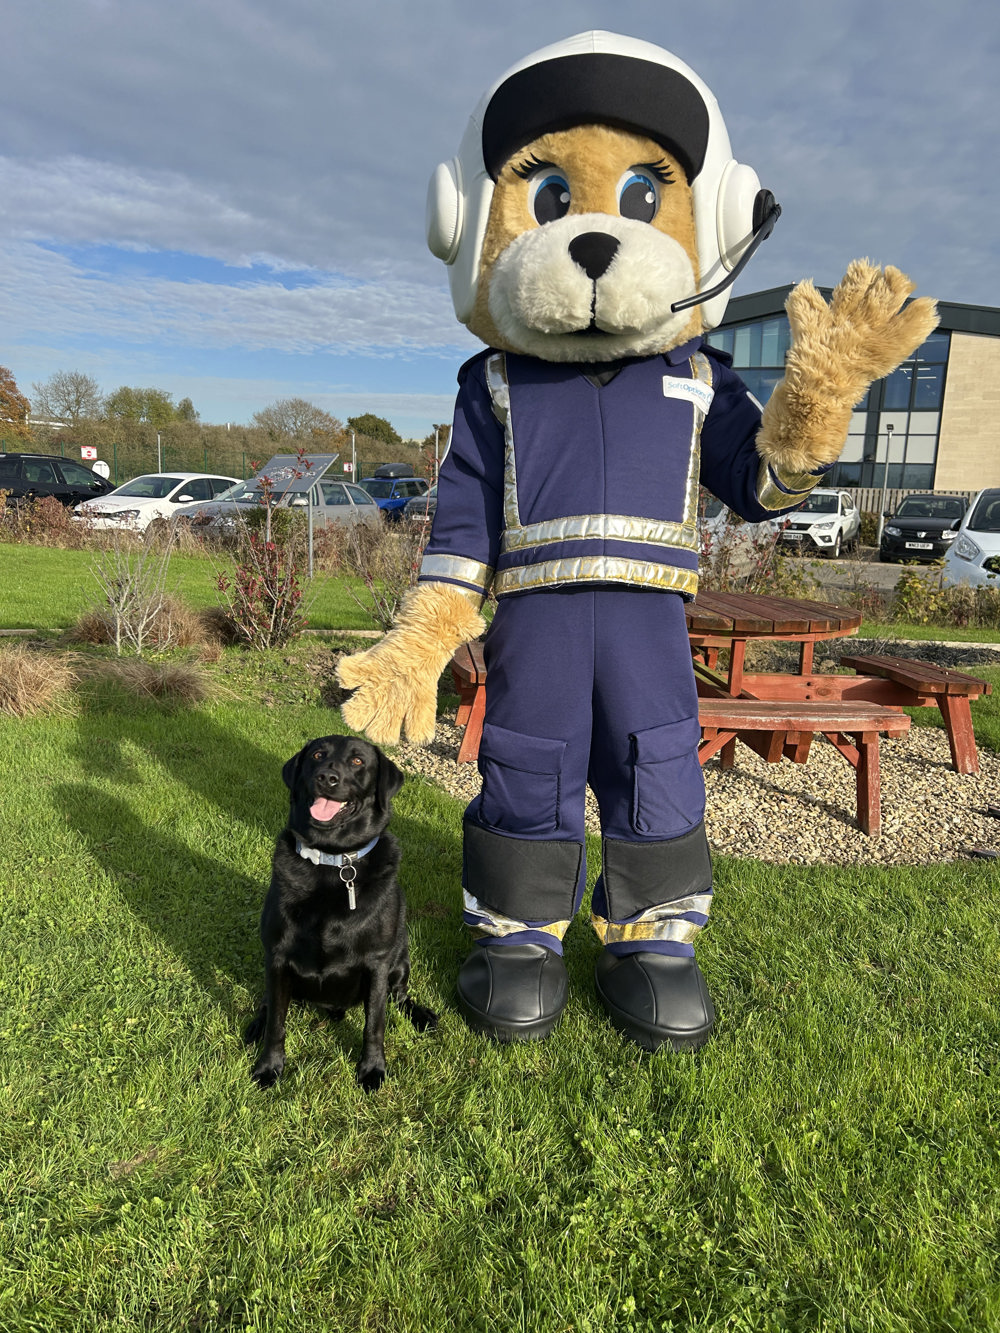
{"x":828,"y":521}
{"x":153,"y":496}
{"x":974,"y":555}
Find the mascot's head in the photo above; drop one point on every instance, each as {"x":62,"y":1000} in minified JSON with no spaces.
{"x":593,"y":203}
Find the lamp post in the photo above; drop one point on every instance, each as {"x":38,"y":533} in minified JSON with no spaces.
{"x":885,"y":482}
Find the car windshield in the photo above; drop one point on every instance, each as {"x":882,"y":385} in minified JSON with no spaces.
{"x":148,"y":488}
{"x":244,"y":492}
{"x":378,"y":490}
{"x":941,"y":507}
{"x":986,"y":515}
{"x":820,"y":504}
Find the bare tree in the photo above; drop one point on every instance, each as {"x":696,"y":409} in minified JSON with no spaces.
{"x":68,"y":395}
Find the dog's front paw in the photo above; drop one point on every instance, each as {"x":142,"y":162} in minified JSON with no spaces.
{"x":266,"y":1073}
{"x":254,"y":1030}
{"x":423,"y":1019}
{"x":371,"y":1079}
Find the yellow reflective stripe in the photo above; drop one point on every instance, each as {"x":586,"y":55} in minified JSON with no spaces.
{"x":797,"y":486}
{"x":661,"y":922}
{"x":495,"y":923}
{"x":597,"y":569}
{"x":456,"y":567}
{"x":616,"y":527}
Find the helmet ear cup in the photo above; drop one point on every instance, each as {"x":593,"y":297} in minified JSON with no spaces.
{"x":445,"y":210}
{"x":737,"y":211}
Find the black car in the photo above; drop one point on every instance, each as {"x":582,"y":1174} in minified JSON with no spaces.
{"x":922,"y":528}
{"x":33,"y":476}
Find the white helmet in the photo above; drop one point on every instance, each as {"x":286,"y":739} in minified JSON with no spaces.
{"x":622,"y":81}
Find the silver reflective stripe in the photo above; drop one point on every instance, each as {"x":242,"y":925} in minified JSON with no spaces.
{"x":488,"y":921}
{"x":456,"y":567}
{"x":597,"y":569}
{"x":499,"y":387}
{"x":797,"y":485}
{"x":617,"y":527}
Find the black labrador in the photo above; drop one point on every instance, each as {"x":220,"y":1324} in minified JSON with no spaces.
{"x":334,"y":919}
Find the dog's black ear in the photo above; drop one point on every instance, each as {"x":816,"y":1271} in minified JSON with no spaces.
{"x":290,"y":771}
{"x":390,"y":779}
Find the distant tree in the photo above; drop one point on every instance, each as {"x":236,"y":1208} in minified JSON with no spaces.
{"x":185,"y":411}
{"x":14,"y":407}
{"x":376,"y":428}
{"x":68,"y":395}
{"x":296,"y":419}
{"x":154,"y":407}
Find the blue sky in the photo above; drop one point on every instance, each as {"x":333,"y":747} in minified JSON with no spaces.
{"x":225,"y":198}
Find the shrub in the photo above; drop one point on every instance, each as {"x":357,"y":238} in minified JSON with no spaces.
{"x":42,"y":522}
{"x":386,"y":557}
{"x":263,"y":596}
{"x":921,"y":598}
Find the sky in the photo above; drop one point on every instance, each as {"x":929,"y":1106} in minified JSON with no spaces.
{"x":225,"y":199}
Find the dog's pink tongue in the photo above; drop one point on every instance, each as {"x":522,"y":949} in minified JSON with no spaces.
{"x":324,"y":810}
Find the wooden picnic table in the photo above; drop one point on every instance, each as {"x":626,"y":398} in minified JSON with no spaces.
{"x":719,"y":620}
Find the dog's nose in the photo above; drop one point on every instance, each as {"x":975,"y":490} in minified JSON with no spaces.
{"x":593,"y":251}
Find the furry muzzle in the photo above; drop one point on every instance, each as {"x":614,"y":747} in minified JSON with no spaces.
{"x":544,"y":302}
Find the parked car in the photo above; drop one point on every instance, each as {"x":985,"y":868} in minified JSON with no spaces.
{"x":422,"y":507}
{"x":391,"y":494}
{"x":922,"y":528}
{"x":34,"y":476}
{"x":154,"y":496}
{"x":332,"y":502}
{"x":974,"y":556}
{"x":828,"y":522}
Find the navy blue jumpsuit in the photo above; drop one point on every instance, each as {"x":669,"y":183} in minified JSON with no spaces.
{"x":577,"y":502}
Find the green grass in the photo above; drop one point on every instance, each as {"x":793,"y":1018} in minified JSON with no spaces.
{"x":46,"y":588}
{"x":898,"y":629}
{"x":830,"y":1161}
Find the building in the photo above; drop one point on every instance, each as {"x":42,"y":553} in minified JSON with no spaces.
{"x":943,"y":405}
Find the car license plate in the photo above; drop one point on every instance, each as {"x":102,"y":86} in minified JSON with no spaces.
{"x":792,"y":536}
{"x":919,"y":546}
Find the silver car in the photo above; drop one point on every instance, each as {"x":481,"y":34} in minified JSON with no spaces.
{"x":332,"y":502}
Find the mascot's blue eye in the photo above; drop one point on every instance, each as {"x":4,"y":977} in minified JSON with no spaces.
{"x":637,"y":196}
{"x":549,"y":197}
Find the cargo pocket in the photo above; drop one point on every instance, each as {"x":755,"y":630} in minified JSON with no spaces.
{"x":520,"y":781}
{"x":668,"y":789}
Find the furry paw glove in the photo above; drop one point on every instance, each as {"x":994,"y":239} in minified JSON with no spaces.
{"x":395,"y":682}
{"x":837,"y":350}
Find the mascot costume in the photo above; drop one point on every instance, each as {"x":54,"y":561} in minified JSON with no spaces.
{"x":592,"y":222}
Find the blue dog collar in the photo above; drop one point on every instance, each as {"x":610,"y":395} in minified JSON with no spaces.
{"x":345,"y":860}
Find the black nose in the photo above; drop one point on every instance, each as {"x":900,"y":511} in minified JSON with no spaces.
{"x":593,"y":251}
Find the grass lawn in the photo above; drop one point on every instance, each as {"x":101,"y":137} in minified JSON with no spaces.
{"x":46,"y":588}
{"x":830,"y":1161}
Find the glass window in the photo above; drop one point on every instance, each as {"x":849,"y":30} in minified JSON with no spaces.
{"x":773,"y":342}
{"x":896,"y":392}
{"x":741,"y":346}
{"x":360,"y":496}
{"x":36,"y":470}
{"x":8,"y":465}
{"x":334,"y":493}
{"x":934,"y":349}
{"x":929,"y":386}
{"x":76,"y":474}
{"x":197,"y":487}
{"x":723,"y":339}
{"x":220,"y":485}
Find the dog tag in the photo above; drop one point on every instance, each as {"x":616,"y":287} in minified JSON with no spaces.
{"x":348,"y":874}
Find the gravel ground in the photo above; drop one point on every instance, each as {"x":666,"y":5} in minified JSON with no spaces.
{"x":804,"y":813}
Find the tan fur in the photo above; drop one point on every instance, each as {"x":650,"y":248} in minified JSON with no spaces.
{"x":396,"y":682}
{"x":837,"y":350}
{"x":593,"y":159}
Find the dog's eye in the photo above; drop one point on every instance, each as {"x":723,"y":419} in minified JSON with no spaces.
{"x":637,"y":196}
{"x":549,"y":197}
{"x":357,"y":761}
{"x":317,"y":754}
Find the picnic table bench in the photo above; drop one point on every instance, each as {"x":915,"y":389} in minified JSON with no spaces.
{"x":776,"y":730}
{"x":909,"y":683}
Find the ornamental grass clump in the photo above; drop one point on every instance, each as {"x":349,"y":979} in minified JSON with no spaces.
{"x":33,"y":682}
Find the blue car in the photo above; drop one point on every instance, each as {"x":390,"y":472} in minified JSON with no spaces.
{"x":392,"y":493}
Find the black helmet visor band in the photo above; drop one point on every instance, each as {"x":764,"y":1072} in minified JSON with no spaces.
{"x":622,"y":91}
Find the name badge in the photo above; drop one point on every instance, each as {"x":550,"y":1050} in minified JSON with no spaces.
{"x":693,"y":391}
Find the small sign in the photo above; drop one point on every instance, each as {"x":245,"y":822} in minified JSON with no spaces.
{"x":88,"y":451}
{"x":102,"y":469}
{"x":348,"y":467}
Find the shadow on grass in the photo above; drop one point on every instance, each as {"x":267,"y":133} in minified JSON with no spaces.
{"x":195,"y":870}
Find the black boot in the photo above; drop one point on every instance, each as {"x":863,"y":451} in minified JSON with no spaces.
{"x":656,"y":999}
{"x":513,"y":992}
